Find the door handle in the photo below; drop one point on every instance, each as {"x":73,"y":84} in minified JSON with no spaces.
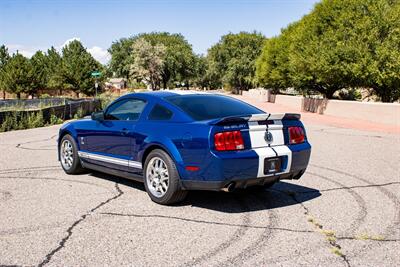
{"x":125,"y":131}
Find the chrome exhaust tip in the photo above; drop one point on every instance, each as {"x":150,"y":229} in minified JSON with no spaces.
{"x":229,"y":188}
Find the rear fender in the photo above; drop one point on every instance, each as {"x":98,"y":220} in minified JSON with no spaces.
{"x":168,"y":146}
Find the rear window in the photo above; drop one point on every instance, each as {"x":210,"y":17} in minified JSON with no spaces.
{"x":160,"y":113}
{"x":207,"y":107}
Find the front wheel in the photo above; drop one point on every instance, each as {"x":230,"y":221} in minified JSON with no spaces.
{"x":161,"y":178}
{"x":69,"y":158}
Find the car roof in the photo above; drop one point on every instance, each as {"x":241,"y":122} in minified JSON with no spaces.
{"x":166,"y":93}
{"x":159,"y":97}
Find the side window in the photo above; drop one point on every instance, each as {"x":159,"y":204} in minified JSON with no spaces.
{"x":160,"y":113}
{"x":129,"y":110}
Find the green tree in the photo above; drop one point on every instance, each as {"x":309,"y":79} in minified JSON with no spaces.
{"x":38,"y":74}
{"x":54,"y":70}
{"x":340,"y":44}
{"x":77,"y":66}
{"x":148,"y":62}
{"x":232,"y":60}
{"x":379,"y":42}
{"x":273,"y":69}
{"x":200,"y":72}
{"x":121,"y":58}
{"x":179,"y":59}
{"x":4,"y":58}
{"x":16,"y":75}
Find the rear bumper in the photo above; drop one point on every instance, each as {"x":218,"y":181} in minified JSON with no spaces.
{"x":232,"y":170}
{"x":238,"y":183}
{"x":299,"y":162}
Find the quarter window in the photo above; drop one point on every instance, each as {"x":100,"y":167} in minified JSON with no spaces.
{"x":160,"y":113}
{"x":128,"y":110}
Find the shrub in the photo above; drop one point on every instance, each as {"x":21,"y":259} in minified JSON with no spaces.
{"x":10,"y":123}
{"x":349,"y":94}
{"x":55,"y":120}
{"x":45,"y":96}
{"x":80,"y":113}
{"x":19,"y":121}
{"x":34,"y":120}
{"x":106,"y":98}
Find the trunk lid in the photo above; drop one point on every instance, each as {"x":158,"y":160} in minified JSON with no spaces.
{"x":264,"y":129}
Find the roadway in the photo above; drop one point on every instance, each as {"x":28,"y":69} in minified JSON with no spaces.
{"x":344,"y":211}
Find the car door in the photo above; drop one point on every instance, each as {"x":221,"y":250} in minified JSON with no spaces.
{"x":110,"y":143}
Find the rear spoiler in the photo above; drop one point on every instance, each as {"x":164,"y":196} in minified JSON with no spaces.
{"x":256,"y":117}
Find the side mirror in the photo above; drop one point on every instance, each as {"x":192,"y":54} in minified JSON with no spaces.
{"x":98,"y":116}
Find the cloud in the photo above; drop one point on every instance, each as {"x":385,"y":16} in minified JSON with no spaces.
{"x":26,"y":51}
{"x":68,"y":41}
{"x":100,"y":54}
{"x":97,"y":52}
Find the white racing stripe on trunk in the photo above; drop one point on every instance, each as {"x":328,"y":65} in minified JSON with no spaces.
{"x":264,"y":152}
{"x":269,"y":116}
{"x":285,"y":151}
{"x":257,"y":134}
{"x":268,"y":152}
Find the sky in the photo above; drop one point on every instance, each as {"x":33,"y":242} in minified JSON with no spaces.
{"x":28,"y":26}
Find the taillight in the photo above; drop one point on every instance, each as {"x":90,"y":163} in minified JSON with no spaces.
{"x":296,"y":135}
{"x":228,"y":141}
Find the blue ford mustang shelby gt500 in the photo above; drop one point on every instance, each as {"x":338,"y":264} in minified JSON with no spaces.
{"x":175,"y":141}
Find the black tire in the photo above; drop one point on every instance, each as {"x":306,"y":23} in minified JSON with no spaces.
{"x":174,"y":193}
{"x":76,"y":166}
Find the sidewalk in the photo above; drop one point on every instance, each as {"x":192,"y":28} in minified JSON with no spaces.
{"x":317,"y":119}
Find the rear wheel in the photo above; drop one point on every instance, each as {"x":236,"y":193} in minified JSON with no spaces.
{"x":69,"y":158}
{"x":161,"y":178}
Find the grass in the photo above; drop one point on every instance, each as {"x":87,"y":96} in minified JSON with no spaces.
{"x":365,"y":236}
{"x":337,"y":251}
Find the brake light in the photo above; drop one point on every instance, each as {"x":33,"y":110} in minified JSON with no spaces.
{"x":227,"y":141}
{"x":296,"y":135}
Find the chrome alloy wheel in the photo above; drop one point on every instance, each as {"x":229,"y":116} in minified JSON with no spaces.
{"x":157,"y":177}
{"x":67,"y":154}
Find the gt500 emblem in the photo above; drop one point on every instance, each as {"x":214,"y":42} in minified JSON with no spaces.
{"x":268,"y":137}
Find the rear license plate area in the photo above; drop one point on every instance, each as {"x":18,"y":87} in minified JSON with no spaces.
{"x":272,"y":165}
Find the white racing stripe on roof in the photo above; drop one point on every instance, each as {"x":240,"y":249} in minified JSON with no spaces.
{"x":186,"y":92}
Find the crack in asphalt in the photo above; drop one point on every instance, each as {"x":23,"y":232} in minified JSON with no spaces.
{"x":203,"y":221}
{"x":307,"y":212}
{"x":77,"y":222}
{"x":33,"y":169}
{"x":345,"y":187}
{"x":366,"y":239}
{"x":54,"y":179}
{"x":329,"y":131}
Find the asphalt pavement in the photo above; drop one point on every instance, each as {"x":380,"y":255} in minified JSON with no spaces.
{"x":344,"y":211}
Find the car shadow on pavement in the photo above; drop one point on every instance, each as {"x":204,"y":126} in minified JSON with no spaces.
{"x":281,"y":194}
